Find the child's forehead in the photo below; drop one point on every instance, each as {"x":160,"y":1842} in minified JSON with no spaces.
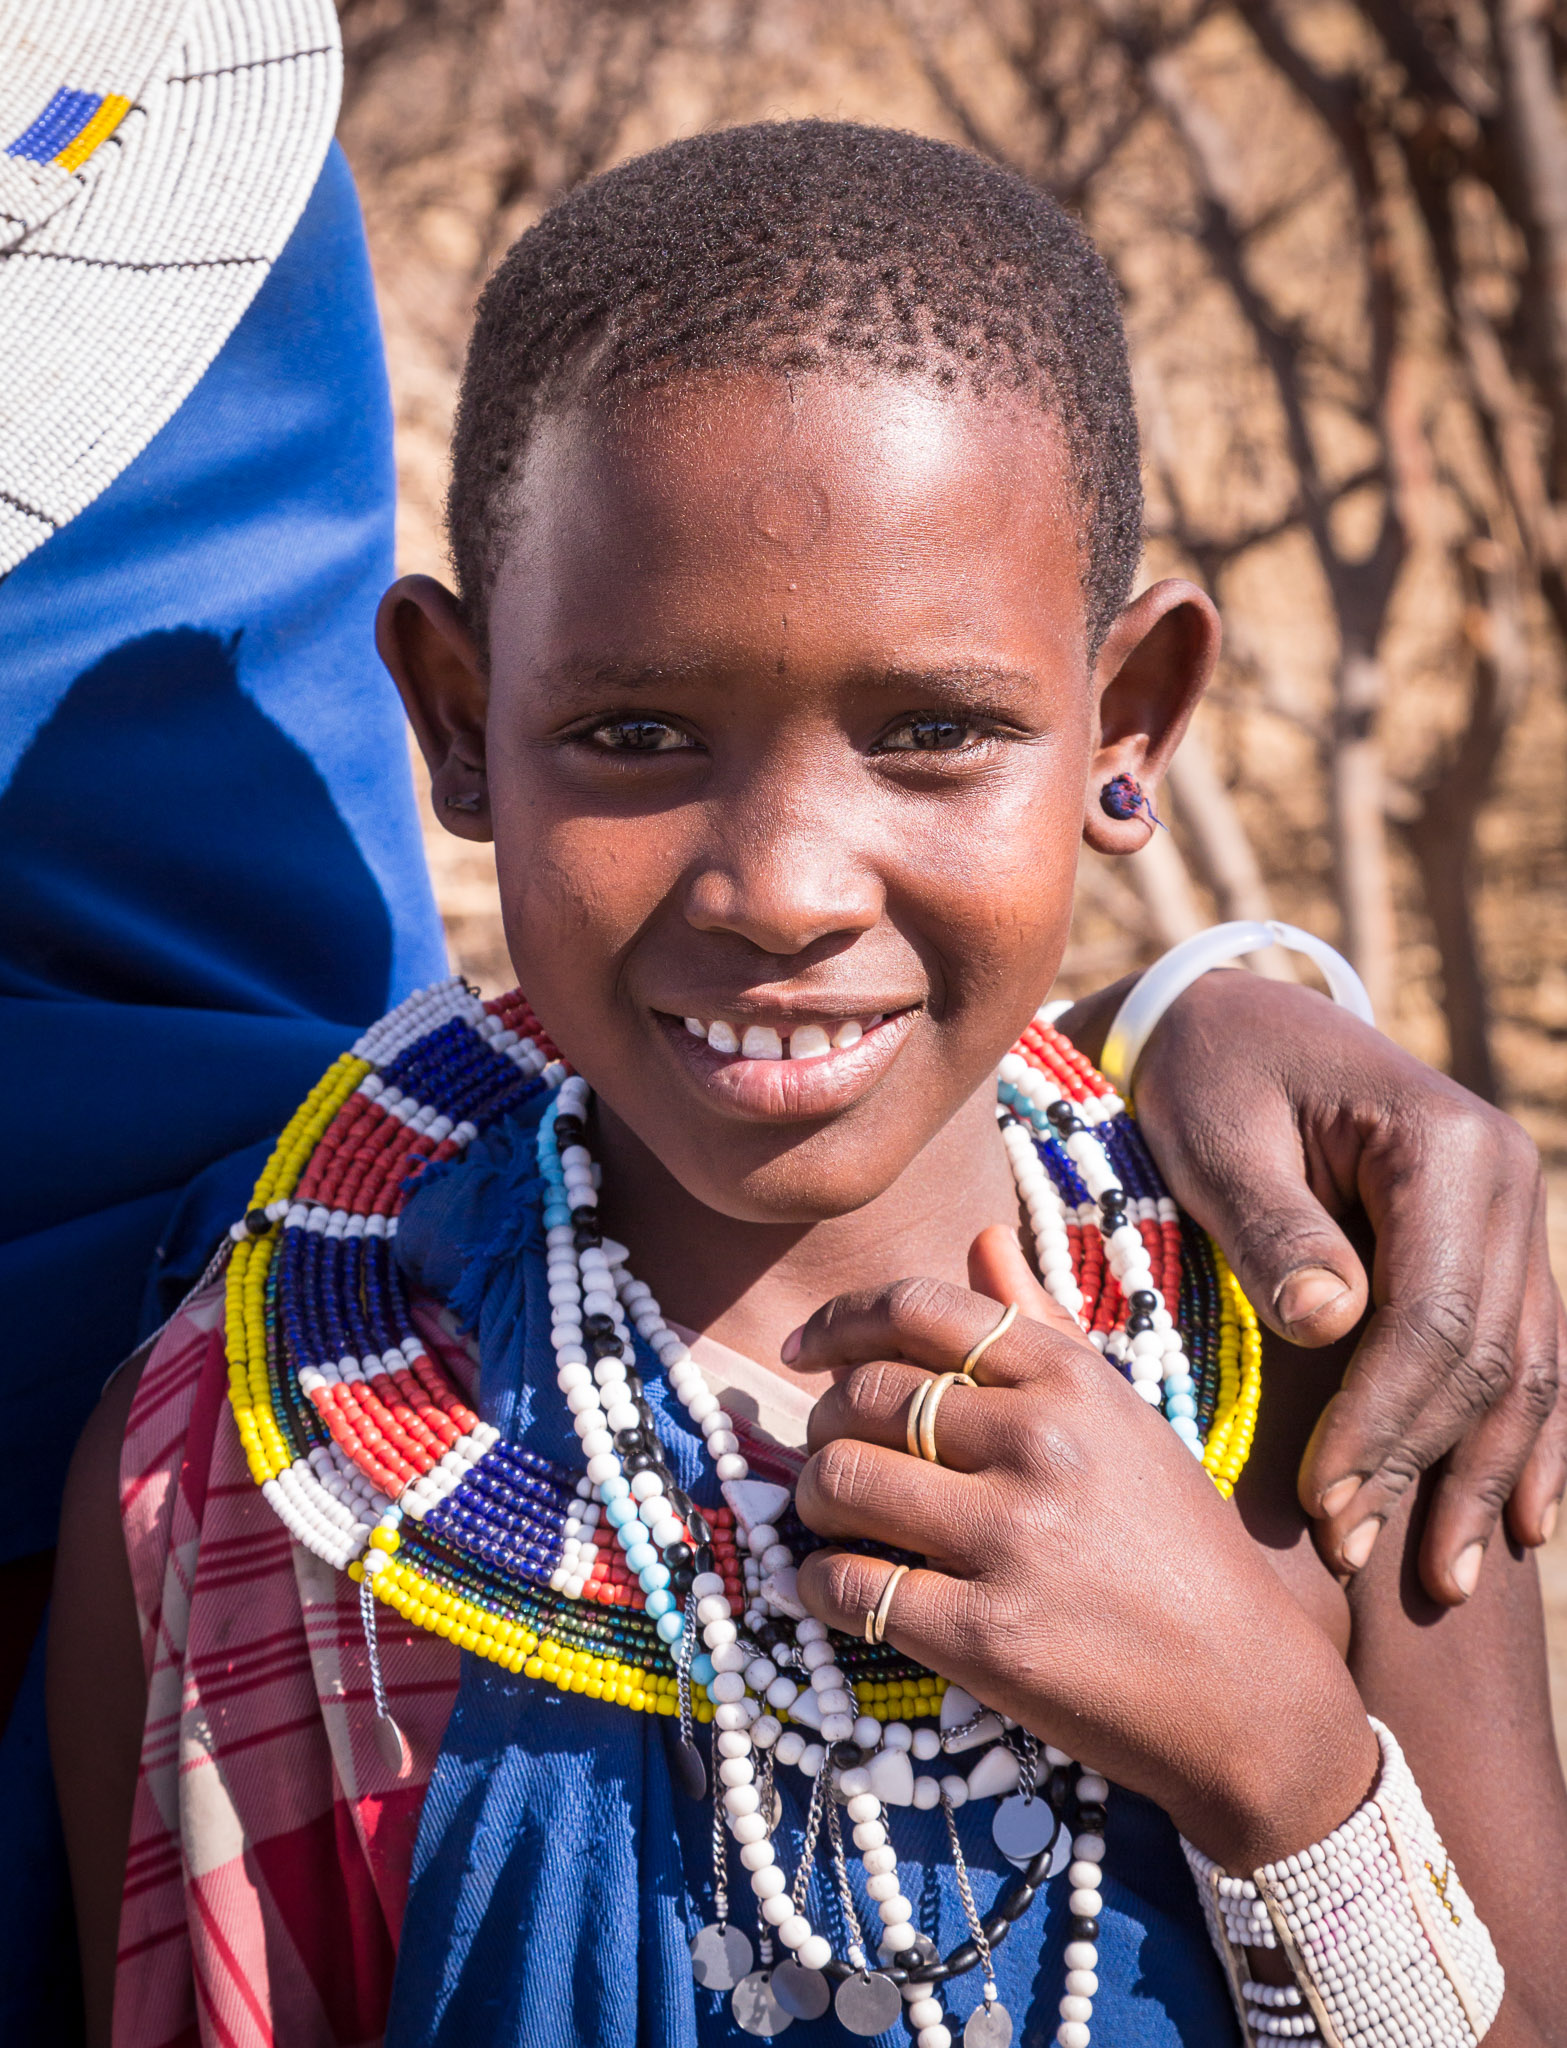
{"x":720,"y":490}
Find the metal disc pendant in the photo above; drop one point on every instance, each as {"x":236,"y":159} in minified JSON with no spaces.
{"x":804,"y":1994}
{"x":392,"y":1746}
{"x":868,"y":2005}
{"x":687,"y":1768}
{"x":720,"y":1956}
{"x":757,"y":2008}
{"x":989,"y":2026}
{"x":1022,"y":1827}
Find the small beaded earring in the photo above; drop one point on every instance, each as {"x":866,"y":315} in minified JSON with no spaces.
{"x":1123,"y":797}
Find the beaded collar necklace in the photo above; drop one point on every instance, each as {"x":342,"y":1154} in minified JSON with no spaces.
{"x":610,"y":1580}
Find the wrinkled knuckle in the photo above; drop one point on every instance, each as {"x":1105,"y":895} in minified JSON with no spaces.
{"x":1489,"y":1491}
{"x":836,"y":1469}
{"x":918,"y":1304}
{"x":870,"y":1390}
{"x":1399,"y":1470}
{"x":1441,"y":1327}
{"x":848,"y":1580}
{"x":1536,"y":1385}
{"x":1483,"y":1374}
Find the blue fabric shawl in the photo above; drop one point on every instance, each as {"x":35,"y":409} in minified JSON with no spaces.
{"x":210,"y":868}
{"x":559,"y":1873}
{"x":211,"y":879}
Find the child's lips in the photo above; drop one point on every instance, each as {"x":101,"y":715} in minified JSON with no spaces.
{"x":813,"y":1083}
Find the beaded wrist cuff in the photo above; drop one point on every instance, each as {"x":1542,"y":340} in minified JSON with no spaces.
{"x":1384,"y":1941}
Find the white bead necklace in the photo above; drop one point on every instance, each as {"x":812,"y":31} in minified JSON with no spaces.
{"x":744,"y":1686}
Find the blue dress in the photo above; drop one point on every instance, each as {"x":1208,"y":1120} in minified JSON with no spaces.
{"x":559,"y":1872}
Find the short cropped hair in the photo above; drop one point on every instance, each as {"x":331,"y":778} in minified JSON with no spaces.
{"x":801,"y":246}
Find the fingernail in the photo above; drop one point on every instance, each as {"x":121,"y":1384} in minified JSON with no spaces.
{"x":1548,"y":1521}
{"x":1339,"y":1495}
{"x":1306,"y":1292}
{"x":1359,"y":1543}
{"x":1466,"y":1568}
{"x":791,"y":1345}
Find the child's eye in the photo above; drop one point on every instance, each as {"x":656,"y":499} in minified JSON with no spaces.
{"x":638,"y":736}
{"x":929,"y":733}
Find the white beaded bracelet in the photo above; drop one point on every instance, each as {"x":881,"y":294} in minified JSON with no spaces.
{"x":1174,"y":972}
{"x":1384,"y":1942}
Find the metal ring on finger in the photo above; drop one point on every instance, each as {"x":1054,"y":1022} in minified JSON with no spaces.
{"x":925,"y":1421}
{"x":876,"y":1619}
{"x":1009,"y":1317}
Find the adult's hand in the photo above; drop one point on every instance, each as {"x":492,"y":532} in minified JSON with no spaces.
{"x":1083,"y":1575}
{"x":1274,"y":1114}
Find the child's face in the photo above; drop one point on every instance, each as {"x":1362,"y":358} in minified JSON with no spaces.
{"x":790,"y":723}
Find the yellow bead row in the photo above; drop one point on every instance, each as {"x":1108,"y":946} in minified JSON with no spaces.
{"x":245,"y":1298}
{"x":516,"y":1647}
{"x":901,"y":1699}
{"x":1240,"y":1382}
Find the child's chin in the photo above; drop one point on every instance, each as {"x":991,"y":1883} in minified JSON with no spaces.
{"x":827,"y":1175}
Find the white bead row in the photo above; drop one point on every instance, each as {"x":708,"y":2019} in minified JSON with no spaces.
{"x":1390,"y":1969}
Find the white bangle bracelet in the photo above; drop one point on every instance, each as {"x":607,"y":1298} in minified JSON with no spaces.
{"x":1385,"y":1945}
{"x":1154,"y":991}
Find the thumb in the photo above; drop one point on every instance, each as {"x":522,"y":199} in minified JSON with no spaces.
{"x":1296,"y":1267}
{"x":997,"y":1267}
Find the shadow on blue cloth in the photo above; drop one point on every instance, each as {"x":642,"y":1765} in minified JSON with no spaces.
{"x":144,"y":812}
{"x":211,"y":880}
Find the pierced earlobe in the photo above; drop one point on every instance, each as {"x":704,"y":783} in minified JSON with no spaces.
{"x":1124,"y":797}
{"x":466,"y":800}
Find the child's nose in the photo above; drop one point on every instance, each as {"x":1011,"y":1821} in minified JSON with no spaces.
{"x":785,"y":892}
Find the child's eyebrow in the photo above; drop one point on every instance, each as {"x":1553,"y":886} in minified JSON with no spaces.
{"x":973,"y":682}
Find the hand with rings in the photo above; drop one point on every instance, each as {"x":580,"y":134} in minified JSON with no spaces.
{"x":1082,"y":1574}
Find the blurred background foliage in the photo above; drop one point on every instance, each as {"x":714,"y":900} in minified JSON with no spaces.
{"x":1340,"y":227}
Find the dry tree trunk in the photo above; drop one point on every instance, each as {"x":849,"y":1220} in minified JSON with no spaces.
{"x":1221,"y":848}
{"x":1358,"y":807}
{"x":1441,"y":833}
{"x":1158,"y":874}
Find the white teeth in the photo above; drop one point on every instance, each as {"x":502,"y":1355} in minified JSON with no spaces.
{"x":809,"y":1043}
{"x":762,"y":1042}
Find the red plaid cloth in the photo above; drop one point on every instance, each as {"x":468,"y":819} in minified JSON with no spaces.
{"x":270,"y":1843}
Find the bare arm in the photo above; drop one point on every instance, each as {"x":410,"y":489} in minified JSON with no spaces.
{"x":97,"y":1694}
{"x":1463,"y":1688}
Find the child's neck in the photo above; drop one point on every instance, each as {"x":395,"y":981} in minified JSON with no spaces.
{"x":750,"y":1284}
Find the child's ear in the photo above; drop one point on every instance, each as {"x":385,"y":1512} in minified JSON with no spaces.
{"x":435,"y":664}
{"x":1154,"y":665}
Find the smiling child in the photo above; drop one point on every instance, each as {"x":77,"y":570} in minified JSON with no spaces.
{"x":796,"y":515}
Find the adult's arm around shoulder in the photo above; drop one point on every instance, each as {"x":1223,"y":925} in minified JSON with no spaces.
{"x":1465,"y":1690}
{"x":96,"y":1693}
